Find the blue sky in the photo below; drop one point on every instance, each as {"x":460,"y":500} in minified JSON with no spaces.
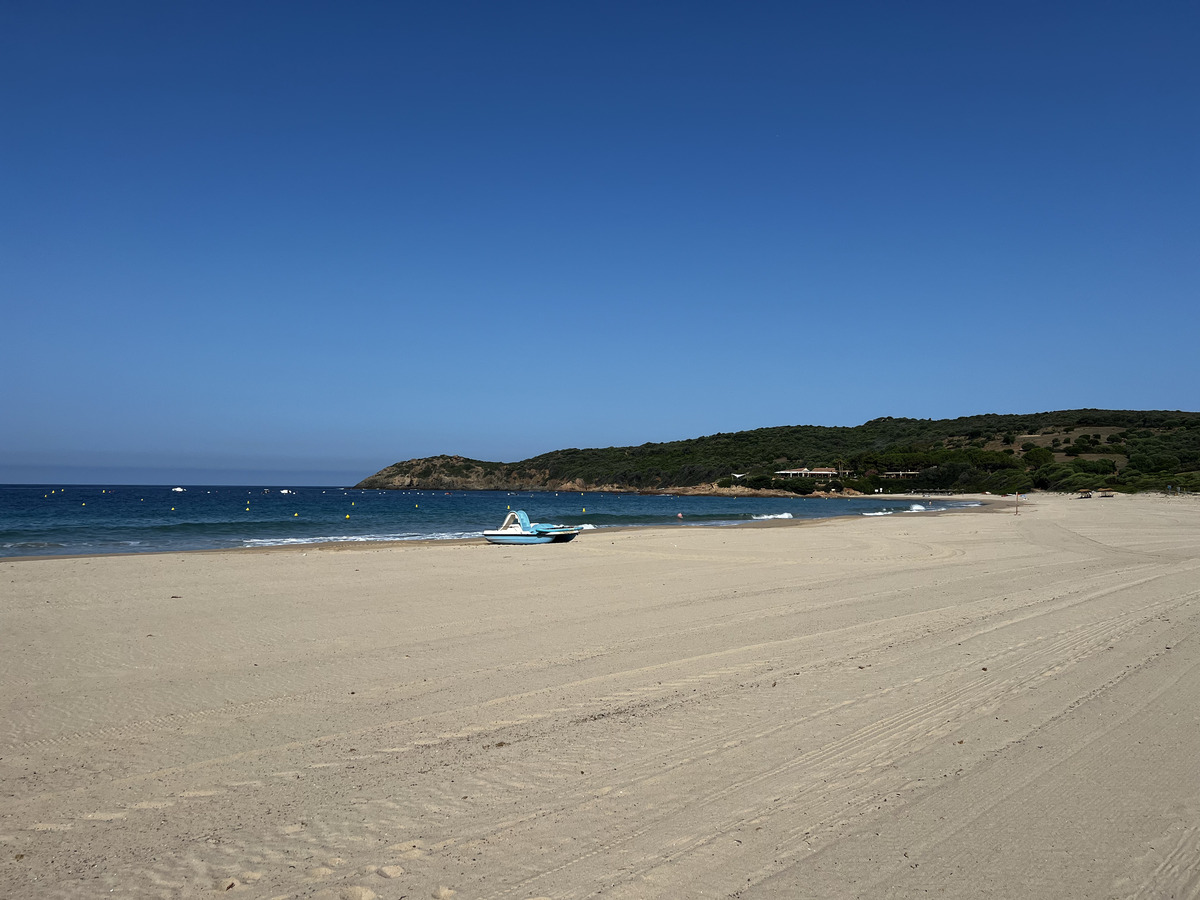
{"x":297,"y":242}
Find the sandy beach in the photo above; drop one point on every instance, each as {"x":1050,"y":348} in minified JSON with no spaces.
{"x":970,"y":704}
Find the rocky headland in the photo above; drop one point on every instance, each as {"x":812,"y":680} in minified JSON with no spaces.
{"x":458,"y":473}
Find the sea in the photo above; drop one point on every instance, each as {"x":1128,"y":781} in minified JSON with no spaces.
{"x":59,"y":520}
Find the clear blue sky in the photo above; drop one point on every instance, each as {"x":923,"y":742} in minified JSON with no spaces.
{"x":295,"y":242}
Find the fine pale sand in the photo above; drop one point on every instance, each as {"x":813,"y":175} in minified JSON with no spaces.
{"x":973,"y":704}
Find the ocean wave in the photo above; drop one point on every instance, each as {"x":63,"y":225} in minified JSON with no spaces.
{"x":886,"y":512}
{"x":777,"y":516}
{"x":361,"y":538}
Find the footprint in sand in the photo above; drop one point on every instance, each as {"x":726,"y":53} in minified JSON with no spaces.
{"x":244,"y":881}
{"x":153,"y":804}
{"x":408,"y":850}
{"x":106,"y":816}
{"x":353,"y":892}
{"x":326,"y":868}
{"x":389,"y":871}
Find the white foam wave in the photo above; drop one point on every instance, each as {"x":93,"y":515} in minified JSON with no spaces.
{"x":916,"y":507}
{"x":777,"y":516}
{"x":886,"y":512}
{"x":362,"y":538}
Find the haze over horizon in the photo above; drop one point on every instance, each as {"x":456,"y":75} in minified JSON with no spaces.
{"x":292,"y":244}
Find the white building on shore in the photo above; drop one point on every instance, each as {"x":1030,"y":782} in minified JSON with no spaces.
{"x":819,"y":472}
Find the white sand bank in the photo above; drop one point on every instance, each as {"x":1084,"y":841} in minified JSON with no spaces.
{"x":964,"y":705}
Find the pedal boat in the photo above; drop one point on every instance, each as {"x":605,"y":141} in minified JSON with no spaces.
{"x":517,"y":529}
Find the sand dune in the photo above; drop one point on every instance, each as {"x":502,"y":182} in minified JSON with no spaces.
{"x":973,"y":704}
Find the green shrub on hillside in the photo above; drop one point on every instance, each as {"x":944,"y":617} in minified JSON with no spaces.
{"x":1095,"y":466}
{"x":1038,"y":457}
{"x":800,"y":486}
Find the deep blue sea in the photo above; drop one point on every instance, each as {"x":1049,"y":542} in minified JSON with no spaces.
{"x":46,"y":520}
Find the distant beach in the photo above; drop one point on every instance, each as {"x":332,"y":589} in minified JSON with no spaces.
{"x":870,"y":706}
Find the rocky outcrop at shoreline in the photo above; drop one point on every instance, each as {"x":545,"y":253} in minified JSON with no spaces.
{"x":458,"y":473}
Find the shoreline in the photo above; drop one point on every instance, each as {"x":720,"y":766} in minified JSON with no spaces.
{"x":985,"y":503}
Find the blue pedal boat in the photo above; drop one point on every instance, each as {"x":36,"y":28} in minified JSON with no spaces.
{"x":517,"y":529}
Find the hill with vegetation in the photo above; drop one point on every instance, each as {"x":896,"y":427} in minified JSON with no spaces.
{"x":1067,"y":450}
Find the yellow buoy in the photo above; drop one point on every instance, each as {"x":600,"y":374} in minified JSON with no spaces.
{"x":295,"y":514}
{"x":347,"y":515}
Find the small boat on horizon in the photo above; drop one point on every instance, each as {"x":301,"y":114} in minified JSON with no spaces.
{"x":517,"y":529}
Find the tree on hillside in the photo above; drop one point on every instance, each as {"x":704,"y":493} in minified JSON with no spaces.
{"x":1038,"y":457}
